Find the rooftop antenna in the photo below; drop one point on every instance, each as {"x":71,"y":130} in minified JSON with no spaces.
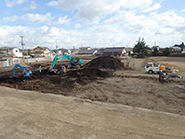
{"x":22,"y":43}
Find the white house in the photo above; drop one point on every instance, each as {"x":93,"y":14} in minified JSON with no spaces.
{"x":11,"y":51}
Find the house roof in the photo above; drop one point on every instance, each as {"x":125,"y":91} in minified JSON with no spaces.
{"x":113,"y":49}
{"x":4,"y":48}
{"x":42,"y":47}
{"x":86,"y":51}
{"x":176,"y":48}
{"x":181,"y":45}
{"x":7,"y":48}
{"x":9,"y":56}
{"x":84,"y":48}
{"x":129,"y":49}
{"x":81,"y":55}
{"x":100,"y":51}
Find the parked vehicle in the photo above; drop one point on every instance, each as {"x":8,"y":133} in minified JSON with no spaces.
{"x":154,"y":67}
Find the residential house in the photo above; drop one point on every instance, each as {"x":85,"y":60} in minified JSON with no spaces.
{"x":129,"y":50}
{"x":57,"y":52}
{"x":100,"y":52}
{"x":41,"y":51}
{"x":114,"y":51}
{"x":85,"y":48}
{"x":178,"y":48}
{"x":86,"y":53}
{"x":157,"y":47}
{"x":14,"y":51}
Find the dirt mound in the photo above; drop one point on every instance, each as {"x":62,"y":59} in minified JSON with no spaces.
{"x":90,"y":73}
{"x":105,"y":62}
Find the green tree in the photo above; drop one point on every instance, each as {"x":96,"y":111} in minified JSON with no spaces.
{"x":155,"y":52}
{"x":24,"y":53}
{"x":166,"y":52}
{"x":141,"y":49}
{"x":29,"y":52}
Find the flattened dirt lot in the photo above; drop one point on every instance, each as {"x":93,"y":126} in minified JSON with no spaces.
{"x":108,"y":92}
{"x":27,"y":114}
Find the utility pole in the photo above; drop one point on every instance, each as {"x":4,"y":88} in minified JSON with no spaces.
{"x":22,"y":43}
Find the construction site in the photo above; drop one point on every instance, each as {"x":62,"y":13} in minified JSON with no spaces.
{"x":106,"y":79}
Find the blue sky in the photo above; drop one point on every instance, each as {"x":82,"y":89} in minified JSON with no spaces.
{"x":95,"y":23}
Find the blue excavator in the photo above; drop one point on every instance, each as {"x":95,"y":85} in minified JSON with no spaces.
{"x":26,"y":73}
{"x":73,"y":61}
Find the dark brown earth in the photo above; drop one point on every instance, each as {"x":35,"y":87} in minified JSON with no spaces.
{"x":105,"y":62}
{"x":50,"y":82}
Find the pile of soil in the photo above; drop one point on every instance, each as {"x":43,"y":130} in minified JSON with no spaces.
{"x":105,"y":62}
{"x":88,"y":72}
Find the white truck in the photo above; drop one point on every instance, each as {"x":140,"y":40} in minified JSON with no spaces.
{"x":154,"y":67}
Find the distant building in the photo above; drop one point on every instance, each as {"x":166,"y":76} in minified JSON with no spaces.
{"x":157,"y":47}
{"x":85,"y":48}
{"x":100,"y":52}
{"x":14,"y":51}
{"x":178,"y":48}
{"x":41,"y":51}
{"x":129,"y":50}
{"x":115,"y":51}
{"x":86,"y":53}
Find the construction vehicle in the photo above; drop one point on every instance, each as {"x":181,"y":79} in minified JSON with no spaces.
{"x":154,"y":67}
{"x":25,"y":73}
{"x":73,"y":61}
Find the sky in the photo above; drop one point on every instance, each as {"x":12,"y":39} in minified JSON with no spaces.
{"x":95,"y":23}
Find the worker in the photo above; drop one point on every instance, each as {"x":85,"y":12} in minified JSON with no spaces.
{"x":65,"y":69}
{"x":160,"y":75}
{"x":62,"y":70}
{"x":40,"y":69}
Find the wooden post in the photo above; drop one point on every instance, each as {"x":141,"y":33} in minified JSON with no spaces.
{"x":16,"y":87}
{"x":93,"y":98}
{"x":32,"y":87}
{"x":102,"y":96}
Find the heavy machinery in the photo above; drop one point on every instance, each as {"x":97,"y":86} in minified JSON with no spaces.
{"x":154,"y":67}
{"x":72,"y":61}
{"x":26,"y":73}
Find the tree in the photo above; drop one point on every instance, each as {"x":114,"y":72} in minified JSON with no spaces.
{"x":29,"y":52}
{"x":24,"y":53}
{"x":166,"y":52}
{"x":141,"y":49}
{"x":155,"y":52}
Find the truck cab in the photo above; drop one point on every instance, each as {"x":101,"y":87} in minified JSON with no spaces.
{"x":152,"y":67}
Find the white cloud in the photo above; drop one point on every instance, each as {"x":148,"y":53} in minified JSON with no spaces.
{"x":169,"y":18}
{"x":63,"y":20}
{"x":152,"y":8}
{"x":91,"y":11}
{"x":14,"y":2}
{"x":165,"y":30}
{"x":183,"y":10}
{"x":37,"y":18}
{"x":32,"y":6}
{"x":77,"y":25}
{"x":10,"y":19}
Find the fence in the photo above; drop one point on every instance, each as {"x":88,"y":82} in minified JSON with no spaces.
{"x":10,"y":62}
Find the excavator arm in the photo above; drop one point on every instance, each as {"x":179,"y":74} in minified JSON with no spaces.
{"x":16,"y":66}
{"x":27,"y":74}
{"x":71,"y":60}
{"x":60,"y":58}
